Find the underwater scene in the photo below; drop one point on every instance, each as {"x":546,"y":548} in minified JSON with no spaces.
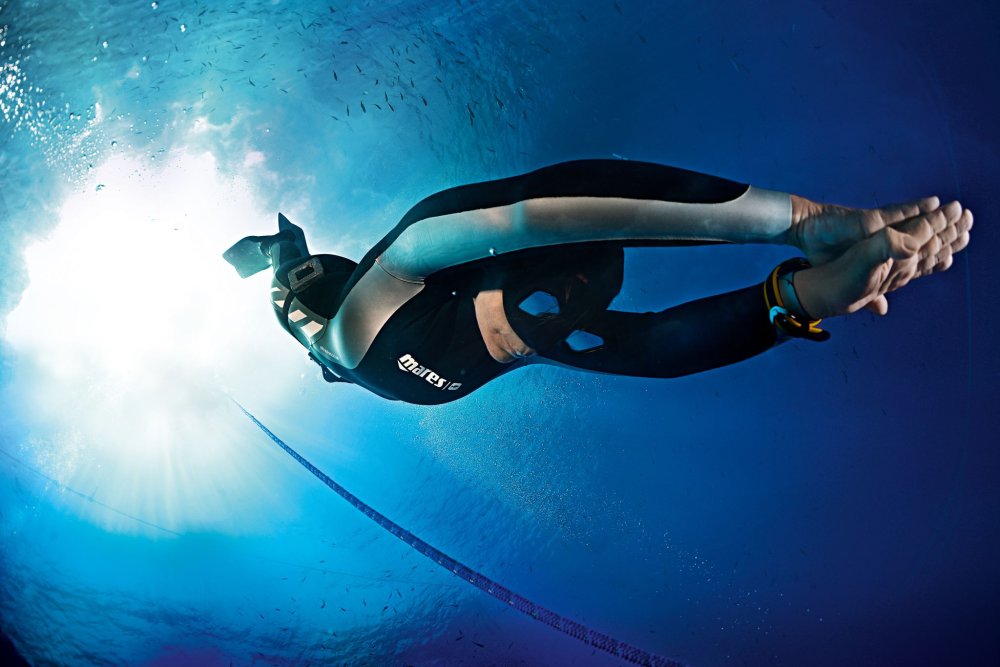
{"x":179,"y":485}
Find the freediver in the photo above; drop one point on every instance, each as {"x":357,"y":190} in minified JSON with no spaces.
{"x":480,"y":279}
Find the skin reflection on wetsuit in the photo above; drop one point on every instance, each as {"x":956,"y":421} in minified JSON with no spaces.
{"x":402,"y":323}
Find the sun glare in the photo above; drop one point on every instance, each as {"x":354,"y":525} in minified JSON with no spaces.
{"x":129,"y":329}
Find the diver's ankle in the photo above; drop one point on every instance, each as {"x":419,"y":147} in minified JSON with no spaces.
{"x":269,"y":242}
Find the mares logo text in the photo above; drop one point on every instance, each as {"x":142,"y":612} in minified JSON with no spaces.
{"x":411,"y":365}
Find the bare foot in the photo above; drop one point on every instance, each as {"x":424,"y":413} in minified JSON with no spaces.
{"x":825,"y":231}
{"x":884,"y":262}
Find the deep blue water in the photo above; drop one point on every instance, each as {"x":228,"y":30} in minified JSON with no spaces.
{"x":817,"y":505}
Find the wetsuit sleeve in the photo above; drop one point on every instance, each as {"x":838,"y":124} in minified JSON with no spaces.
{"x":689,"y":338}
{"x":575,"y":202}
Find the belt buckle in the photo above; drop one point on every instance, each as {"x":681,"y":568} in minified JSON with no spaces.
{"x":305,"y":274}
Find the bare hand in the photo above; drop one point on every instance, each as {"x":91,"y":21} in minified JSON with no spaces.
{"x":884,"y":262}
{"x":825,"y":231}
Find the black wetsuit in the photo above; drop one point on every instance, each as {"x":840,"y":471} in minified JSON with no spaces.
{"x":402,"y":322}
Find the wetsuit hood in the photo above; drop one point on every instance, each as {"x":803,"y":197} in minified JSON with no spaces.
{"x":319,"y":282}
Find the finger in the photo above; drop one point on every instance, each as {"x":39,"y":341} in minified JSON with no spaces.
{"x":952,"y":240}
{"x":929,"y":255}
{"x":926,"y":225}
{"x":945,"y":257}
{"x":892,"y":244}
{"x":898,"y":212}
{"x":960,"y":226}
{"x":879,"y":305}
{"x":945,"y":260}
{"x":898,"y":279}
{"x":960,"y":243}
{"x":948,"y":236}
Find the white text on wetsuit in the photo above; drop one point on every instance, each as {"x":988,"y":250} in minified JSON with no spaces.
{"x":408,"y":363}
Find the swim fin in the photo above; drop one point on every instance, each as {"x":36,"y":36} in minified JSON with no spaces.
{"x":252,"y":254}
{"x":248,"y":255}
{"x":286,"y":225}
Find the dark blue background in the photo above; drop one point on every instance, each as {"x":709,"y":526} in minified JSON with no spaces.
{"x":818,"y":505}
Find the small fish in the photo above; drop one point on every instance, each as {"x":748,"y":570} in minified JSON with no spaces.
{"x":478,"y":644}
{"x":424,"y":100}
{"x":335,"y":78}
{"x":390,"y":106}
{"x":618,"y":7}
{"x":363,"y":109}
{"x":323,"y":606}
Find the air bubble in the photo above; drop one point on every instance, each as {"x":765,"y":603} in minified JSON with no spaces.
{"x":153,"y":5}
{"x":183,"y":28}
{"x":104,"y":43}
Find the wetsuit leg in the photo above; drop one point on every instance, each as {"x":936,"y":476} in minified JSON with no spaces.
{"x":689,"y":338}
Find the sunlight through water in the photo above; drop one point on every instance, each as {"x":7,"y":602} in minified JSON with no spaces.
{"x":128,"y":329}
